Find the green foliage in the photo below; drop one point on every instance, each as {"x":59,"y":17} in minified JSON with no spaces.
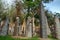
{"x":3,"y":13}
{"x":31,"y":3}
{"x":3,"y":16}
{"x":50,"y":37}
{"x":58,"y":15}
{"x":6,"y":38}
{"x":37,"y":23}
{"x":50,"y":17}
{"x":22,"y":17}
{"x":37,"y":16}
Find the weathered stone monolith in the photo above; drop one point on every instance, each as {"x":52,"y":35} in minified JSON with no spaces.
{"x":17,"y":27}
{"x":57,"y":24}
{"x":29,"y":27}
{"x":4,"y":30}
{"x":0,"y":25}
{"x":48,"y":29}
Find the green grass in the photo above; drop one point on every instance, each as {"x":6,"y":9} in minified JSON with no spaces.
{"x":50,"y":37}
{"x":10,"y":38}
{"x":33,"y":38}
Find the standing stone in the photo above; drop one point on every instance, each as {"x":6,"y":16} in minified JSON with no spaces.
{"x":57,"y":24}
{"x":0,"y":25}
{"x":18,"y":26}
{"x":43,"y":28}
{"x":17,"y":19}
{"x":48,"y":30}
{"x":29,"y":27}
{"x":5,"y":28}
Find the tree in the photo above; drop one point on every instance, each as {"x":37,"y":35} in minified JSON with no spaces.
{"x":31,"y":5}
{"x":43,"y":18}
{"x":20,"y":17}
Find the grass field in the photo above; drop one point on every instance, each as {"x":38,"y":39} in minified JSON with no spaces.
{"x":33,"y":38}
{"x":10,"y":38}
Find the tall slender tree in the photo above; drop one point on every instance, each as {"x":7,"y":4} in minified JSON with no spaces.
{"x":43,"y":28}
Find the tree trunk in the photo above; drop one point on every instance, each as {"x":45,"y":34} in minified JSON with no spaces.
{"x":43,"y":28}
{"x":33,"y":26}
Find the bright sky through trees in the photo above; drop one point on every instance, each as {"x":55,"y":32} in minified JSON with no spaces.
{"x":8,"y":1}
{"x":53,"y":6}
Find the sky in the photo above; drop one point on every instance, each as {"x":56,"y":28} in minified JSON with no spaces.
{"x":8,"y":1}
{"x":53,"y":6}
